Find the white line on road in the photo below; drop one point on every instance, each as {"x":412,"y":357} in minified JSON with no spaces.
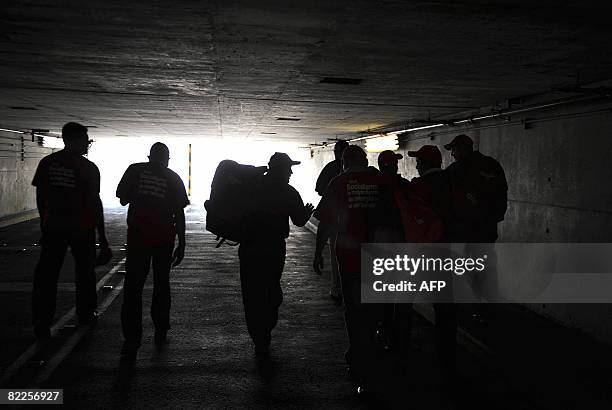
{"x":74,"y":339}
{"x":37,"y":346}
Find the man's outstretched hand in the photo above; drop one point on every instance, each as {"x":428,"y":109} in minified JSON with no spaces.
{"x":317,"y":263}
{"x":308,"y":209}
{"x":179,"y":254}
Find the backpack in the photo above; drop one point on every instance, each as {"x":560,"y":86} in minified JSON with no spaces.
{"x":230,"y":200}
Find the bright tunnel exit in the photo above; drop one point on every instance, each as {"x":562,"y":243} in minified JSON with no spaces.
{"x":114,"y":155}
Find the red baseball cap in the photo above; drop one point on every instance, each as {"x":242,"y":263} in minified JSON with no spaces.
{"x":388,"y":157}
{"x":429,"y":153}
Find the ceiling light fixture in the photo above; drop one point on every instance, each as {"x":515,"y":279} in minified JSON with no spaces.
{"x":425,"y":127}
{"x":14,"y":131}
{"x":382,"y":143}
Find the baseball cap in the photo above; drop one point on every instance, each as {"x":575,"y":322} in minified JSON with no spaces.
{"x":429,"y":153}
{"x":460,"y":139}
{"x":280,"y":159}
{"x":388,"y":157}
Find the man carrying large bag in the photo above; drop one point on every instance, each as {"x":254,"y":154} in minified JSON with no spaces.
{"x":262,"y":246}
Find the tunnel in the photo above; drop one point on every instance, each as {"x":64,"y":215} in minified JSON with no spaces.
{"x":527,"y":84}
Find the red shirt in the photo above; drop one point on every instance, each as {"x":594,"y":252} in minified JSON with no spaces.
{"x":355,"y":204}
{"x":70,"y":188}
{"x":155,"y":195}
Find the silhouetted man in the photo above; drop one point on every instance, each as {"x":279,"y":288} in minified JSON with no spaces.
{"x":396,"y":317}
{"x":479,"y":192}
{"x":332,"y":169}
{"x":480,"y":199}
{"x":350,"y":207}
{"x":68,"y":201}
{"x":387,"y":164}
{"x":433,"y":187}
{"x":329,"y":172}
{"x":157,"y":198}
{"x":262,"y":252}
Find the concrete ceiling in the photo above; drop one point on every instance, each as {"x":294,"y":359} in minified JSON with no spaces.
{"x":238,"y":68}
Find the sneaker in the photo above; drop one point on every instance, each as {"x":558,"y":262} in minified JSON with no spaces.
{"x":160,"y":336}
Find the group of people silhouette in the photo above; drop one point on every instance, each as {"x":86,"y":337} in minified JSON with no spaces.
{"x":362,"y":204}
{"x":359,"y":204}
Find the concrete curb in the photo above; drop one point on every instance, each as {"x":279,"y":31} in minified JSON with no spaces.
{"x":18,"y":217}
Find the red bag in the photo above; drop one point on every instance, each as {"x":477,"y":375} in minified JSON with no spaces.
{"x":421,"y":224}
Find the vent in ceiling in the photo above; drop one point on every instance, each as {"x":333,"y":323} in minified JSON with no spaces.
{"x":268,"y":133}
{"x":341,"y":80}
{"x":23,"y":108}
{"x":287,"y":119}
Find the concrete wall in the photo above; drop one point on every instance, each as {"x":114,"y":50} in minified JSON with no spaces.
{"x":19,"y":158}
{"x":557,"y":162}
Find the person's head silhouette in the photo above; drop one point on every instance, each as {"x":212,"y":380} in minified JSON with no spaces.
{"x":75,"y":138}
{"x":460,"y":147}
{"x":427,"y":157}
{"x":280,"y":166}
{"x":354,"y":157}
{"x":387,"y":162}
{"x":159,"y":155}
{"x":339,"y":149}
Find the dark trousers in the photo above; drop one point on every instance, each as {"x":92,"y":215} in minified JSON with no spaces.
{"x":138,"y":263}
{"x":335,"y":288}
{"x":54,"y":244}
{"x":361,"y":321}
{"x":445,"y":331}
{"x":261,"y":267}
